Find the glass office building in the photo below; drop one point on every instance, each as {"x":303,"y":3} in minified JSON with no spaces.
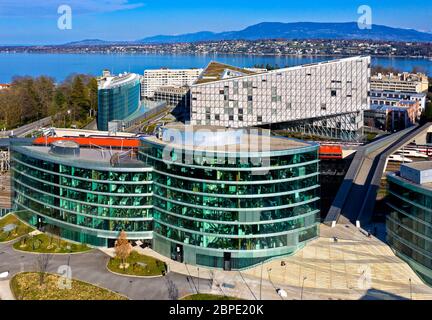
{"x":118,"y":97}
{"x":230,"y":202}
{"x":409,"y":226}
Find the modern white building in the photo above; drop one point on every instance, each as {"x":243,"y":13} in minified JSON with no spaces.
{"x":392,"y":98}
{"x":328,"y":96}
{"x":154,"y":79}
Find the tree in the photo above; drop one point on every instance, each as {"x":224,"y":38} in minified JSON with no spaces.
{"x":123,"y":249}
{"x":93,"y":94}
{"x":41,"y":265}
{"x":79,"y":98}
{"x":384,"y":70}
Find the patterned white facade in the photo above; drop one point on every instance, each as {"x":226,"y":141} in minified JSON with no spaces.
{"x":292,"y":94}
{"x":154,"y":79}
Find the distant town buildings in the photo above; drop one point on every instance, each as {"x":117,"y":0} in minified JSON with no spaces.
{"x":328,"y":97}
{"x":402,"y":82}
{"x":4,"y":86}
{"x":157,"y":78}
{"x":118,"y":97}
{"x":409,"y":225}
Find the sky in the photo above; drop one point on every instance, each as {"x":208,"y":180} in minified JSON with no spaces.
{"x":36,"y":21}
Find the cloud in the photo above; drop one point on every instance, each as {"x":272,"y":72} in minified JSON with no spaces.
{"x":45,"y":8}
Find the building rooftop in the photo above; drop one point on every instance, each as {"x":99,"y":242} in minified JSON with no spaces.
{"x":420,"y":165}
{"x":218,"y":71}
{"x":110,"y":82}
{"x":97,"y":158}
{"x":215,"y":70}
{"x":220,"y":139}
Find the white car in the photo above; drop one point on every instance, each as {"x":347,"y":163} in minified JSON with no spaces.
{"x":4,"y":275}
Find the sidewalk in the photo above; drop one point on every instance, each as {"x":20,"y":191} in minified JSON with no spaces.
{"x":354,"y":267}
{"x":5,"y":291}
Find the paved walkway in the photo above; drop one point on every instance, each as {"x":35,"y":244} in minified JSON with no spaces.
{"x":5,"y":291}
{"x":91,"y":267}
{"x":354,"y":267}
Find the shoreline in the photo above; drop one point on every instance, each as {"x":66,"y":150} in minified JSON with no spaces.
{"x":216,"y":54}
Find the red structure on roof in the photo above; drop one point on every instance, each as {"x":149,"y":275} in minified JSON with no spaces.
{"x":104,"y":142}
{"x":330,"y":152}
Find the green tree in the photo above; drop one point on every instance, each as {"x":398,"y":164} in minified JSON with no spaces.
{"x":93,"y":94}
{"x":79,"y":98}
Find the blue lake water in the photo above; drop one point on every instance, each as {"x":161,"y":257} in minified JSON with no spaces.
{"x":59,"y":66}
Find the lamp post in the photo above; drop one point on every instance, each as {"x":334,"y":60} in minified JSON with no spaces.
{"x":198,"y":281}
{"x":411,"y":295}
{"x":302,"y":289}
{"x":262,"y":266}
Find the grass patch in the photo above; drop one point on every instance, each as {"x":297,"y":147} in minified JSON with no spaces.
{"x":139,"y":265}
{"x":26,"y":286}
{"x":44,"y":243}
{"x":20,"y":230}
{"x":206,"y":296}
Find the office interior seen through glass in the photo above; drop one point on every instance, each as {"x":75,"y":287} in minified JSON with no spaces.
{"x":217,"y":210}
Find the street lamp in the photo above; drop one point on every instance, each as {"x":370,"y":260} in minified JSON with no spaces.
{"x":198,"y":281}
{"x":302,"y":289}
{"x":411,"y":294}
{"x":262,"y":266}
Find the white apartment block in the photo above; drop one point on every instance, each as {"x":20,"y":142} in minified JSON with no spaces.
{"x":327,"y":89}
{"x":154,"y":79}
{"x":403,"y":82}
{"x":393,"y":98}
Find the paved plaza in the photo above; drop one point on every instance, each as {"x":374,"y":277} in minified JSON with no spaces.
{"x":354,"y":267}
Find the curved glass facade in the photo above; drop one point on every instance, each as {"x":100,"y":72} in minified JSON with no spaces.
{"x":221,"y":211}
{"x":89,"y":205}
{"x":409,"y":225}
{"x":223,"y":214}
{"x":118,"y":101}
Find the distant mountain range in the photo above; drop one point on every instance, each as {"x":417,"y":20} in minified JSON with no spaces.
{"x":287,"y":31}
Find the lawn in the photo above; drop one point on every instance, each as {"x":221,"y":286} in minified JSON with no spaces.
{"x":206,"y":296}
{"x":45,"y":243}
{"x":139,"y":265}
{"x":19,"y":230}
{"x":26,"y":286}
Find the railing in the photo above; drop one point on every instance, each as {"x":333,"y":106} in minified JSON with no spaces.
{"x":27,"y":128}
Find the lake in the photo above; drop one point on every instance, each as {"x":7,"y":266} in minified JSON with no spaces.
{"x":59,"y":66}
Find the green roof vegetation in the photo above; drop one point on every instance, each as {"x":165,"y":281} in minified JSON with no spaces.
{"x":214,"y":72}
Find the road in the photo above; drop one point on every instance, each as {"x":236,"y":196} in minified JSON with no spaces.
{"x":28,"y":128}
{"x":91,"y":267}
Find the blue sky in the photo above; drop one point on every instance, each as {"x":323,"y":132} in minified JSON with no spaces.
{"x":35,"y":22}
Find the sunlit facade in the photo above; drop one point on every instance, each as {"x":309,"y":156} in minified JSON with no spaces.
{"x":118,"y":98}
